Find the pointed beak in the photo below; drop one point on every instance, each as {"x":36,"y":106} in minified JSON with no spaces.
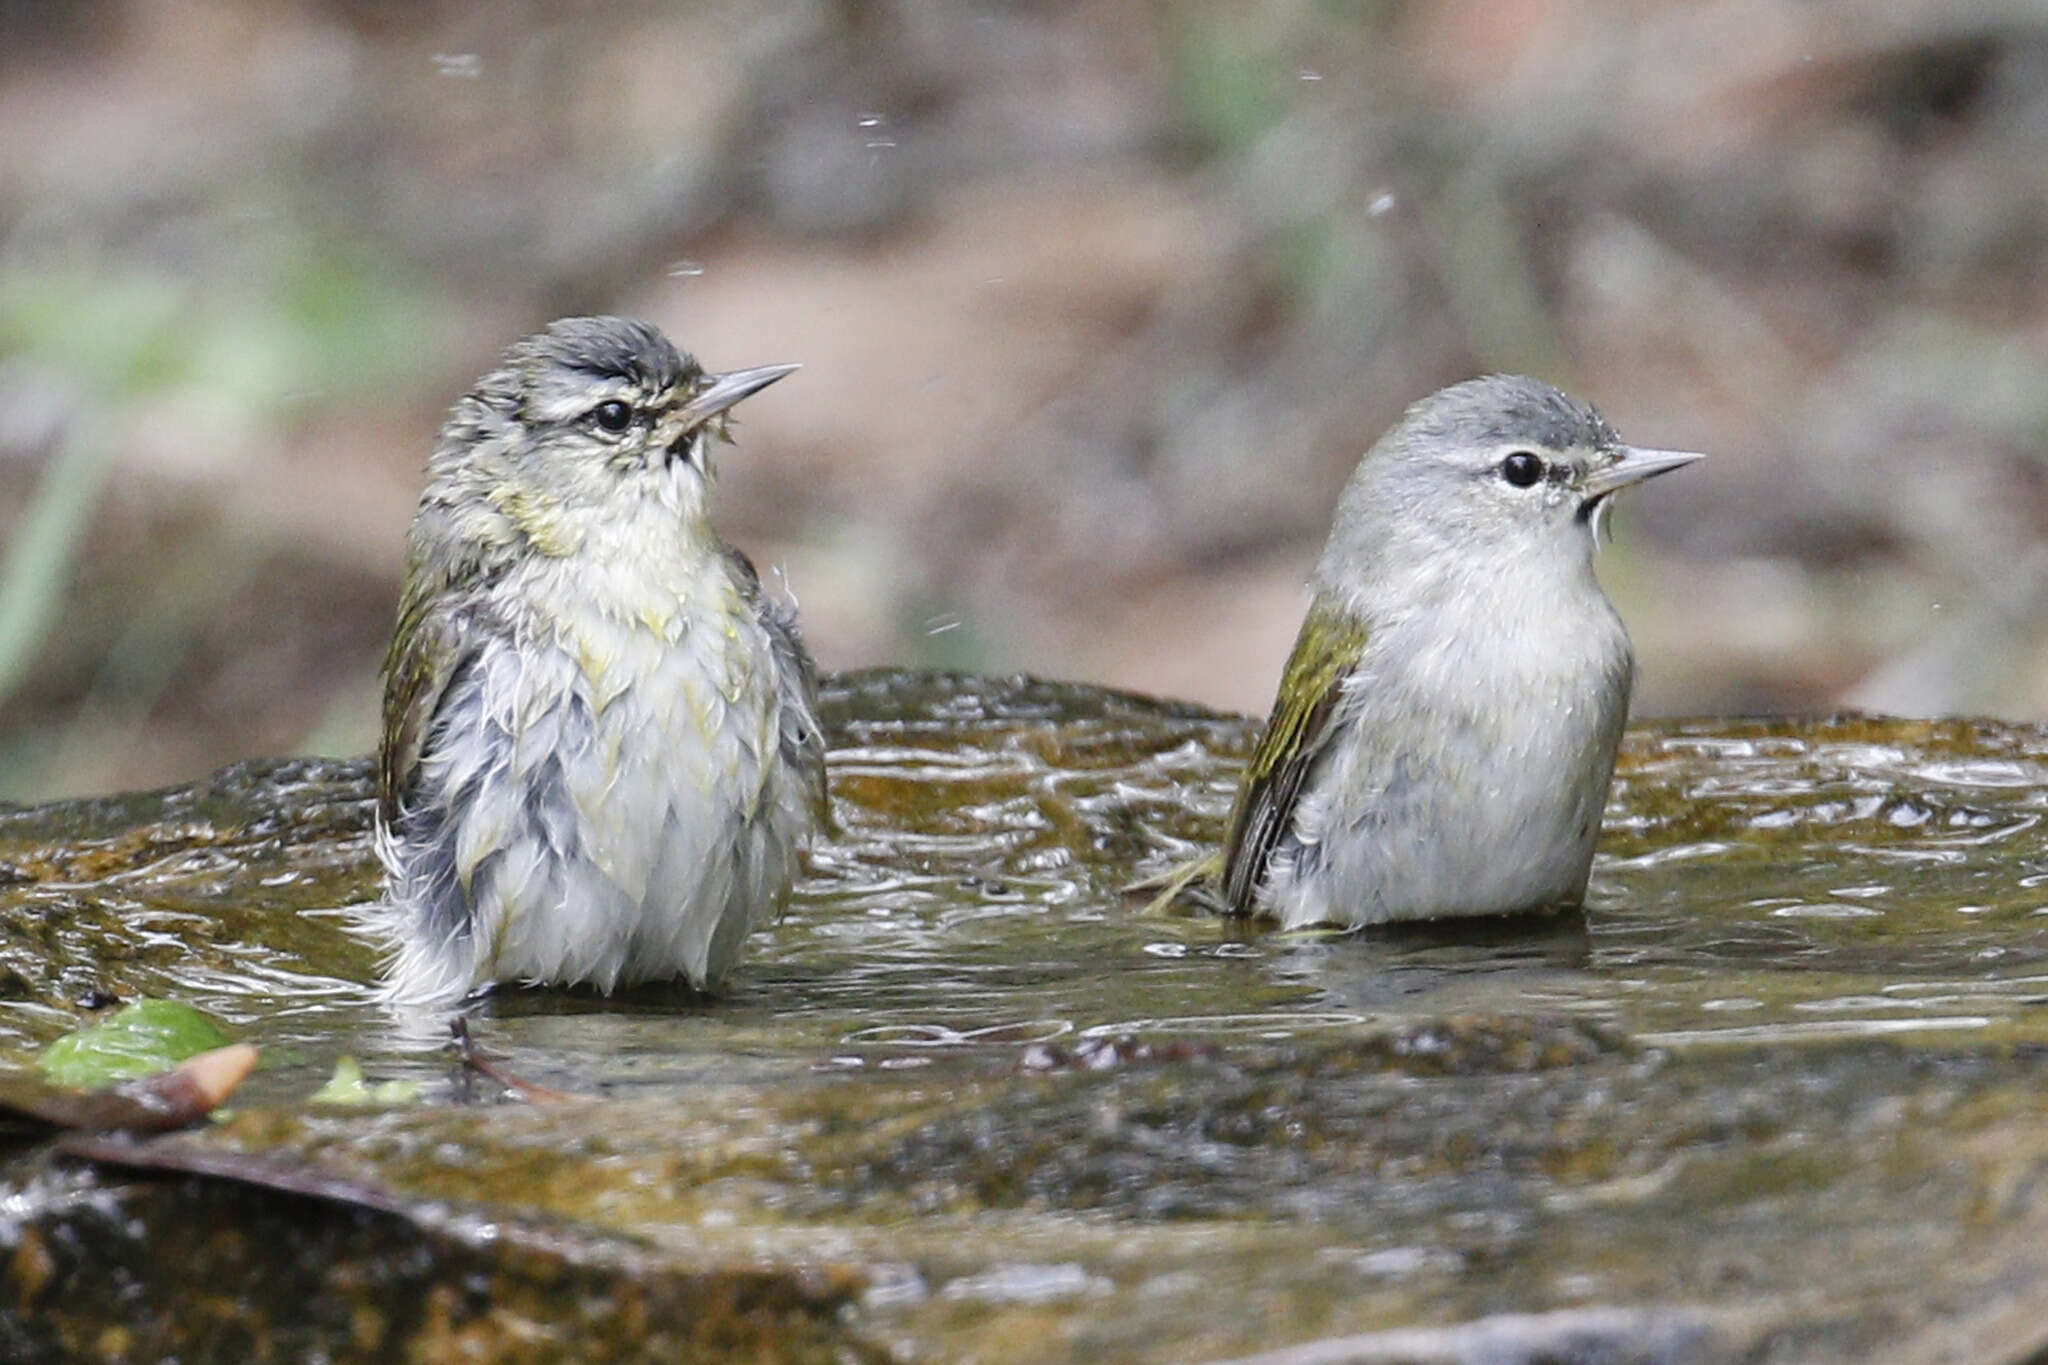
{"x":1633,"y":466}
{"x":726,"y":390}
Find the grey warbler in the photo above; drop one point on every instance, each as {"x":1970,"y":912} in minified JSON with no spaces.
{"x":1445,"y":729}
{"x":601,"y":754}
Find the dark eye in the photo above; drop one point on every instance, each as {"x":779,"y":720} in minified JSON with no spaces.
{"x":612,"y":415}
{"x":1521,"y":469}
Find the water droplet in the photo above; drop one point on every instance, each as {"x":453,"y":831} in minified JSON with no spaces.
{"x":940,"y":624}
{"x":893,"y":1285}
{"x":467,"y":65}
{"x":1309,"y":75}
{"x":1399,"y":1262}
{"x":876,"y":126}
{"x":1027,"y":1284}
{"x":1382,"y":203}
{"x":1825,"y":911}
{"x":685,"y":269}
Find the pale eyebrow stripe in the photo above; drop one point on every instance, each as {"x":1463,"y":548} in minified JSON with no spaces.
{"x":565,"y":402}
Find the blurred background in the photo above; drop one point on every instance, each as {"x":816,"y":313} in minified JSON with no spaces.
{"x":1097,"y":307}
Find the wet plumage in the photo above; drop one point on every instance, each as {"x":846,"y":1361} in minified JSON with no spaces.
{"x":601,"y":755}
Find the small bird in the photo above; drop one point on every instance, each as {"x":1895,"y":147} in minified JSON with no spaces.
{"x":601,"y":752}
{"x":1445,"y":729}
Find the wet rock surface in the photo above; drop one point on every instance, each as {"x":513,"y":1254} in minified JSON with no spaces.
{"x":1774,"y":1096}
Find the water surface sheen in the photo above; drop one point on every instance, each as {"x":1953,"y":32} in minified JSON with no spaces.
{"x":1773,"y":1091}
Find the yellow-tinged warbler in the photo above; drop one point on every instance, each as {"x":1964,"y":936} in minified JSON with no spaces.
{"x":600,"y":755}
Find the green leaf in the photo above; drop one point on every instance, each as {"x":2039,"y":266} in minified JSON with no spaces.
{"x":347,"y":1086}
{"x":140,"y":1039}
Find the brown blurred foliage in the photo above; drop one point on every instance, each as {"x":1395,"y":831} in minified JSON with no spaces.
{"x":1097,"y":305}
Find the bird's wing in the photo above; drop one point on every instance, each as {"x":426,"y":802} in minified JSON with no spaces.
{"x":1296,"y":735}
{"x":434,"y":642}
{"x":796,"y":683}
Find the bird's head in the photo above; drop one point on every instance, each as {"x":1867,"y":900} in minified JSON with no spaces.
{"x":1498,"y":474}
{"x":586,"y":413}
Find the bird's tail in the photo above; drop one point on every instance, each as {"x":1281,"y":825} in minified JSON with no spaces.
{"x":1193,"y":881}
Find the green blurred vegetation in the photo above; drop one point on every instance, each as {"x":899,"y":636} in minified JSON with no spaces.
{"x":326,"y":325}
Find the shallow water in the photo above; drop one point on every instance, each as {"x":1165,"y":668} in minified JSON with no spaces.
{"x":1777,"y":1083}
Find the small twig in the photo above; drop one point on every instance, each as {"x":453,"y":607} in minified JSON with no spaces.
{"x":475,"y":1059}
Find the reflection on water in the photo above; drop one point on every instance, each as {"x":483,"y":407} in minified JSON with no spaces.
{"x":971,"y":900}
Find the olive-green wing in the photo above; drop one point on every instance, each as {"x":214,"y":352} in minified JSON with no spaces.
{"x":1325,"y":652}
{"x":433,"y":643}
